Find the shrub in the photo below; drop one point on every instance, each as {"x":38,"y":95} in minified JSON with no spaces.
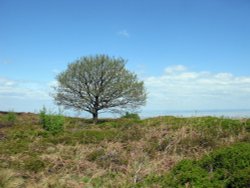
{"x":226,"y":167}
{"x":11,"y":117}
{"x":51,"y":122}
{"x":216,"y":169}
{"x":131,"y":116}
{"x":240,"y":178}
{"x":187,"y":173}
{"x":231,"y":158}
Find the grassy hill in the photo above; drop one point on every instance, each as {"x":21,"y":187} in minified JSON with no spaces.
{"x":126,"y":152}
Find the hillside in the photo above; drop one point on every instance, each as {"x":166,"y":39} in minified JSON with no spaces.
{"x":126,"y":152}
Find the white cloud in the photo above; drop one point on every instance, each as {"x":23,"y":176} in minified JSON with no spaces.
{"x":180,"y":89}
{"x":24,"y":96}
{"x":124,"y":33}
{"x":10,"y":89}
{"x":175,"y":68}
{"x":4,"y":82}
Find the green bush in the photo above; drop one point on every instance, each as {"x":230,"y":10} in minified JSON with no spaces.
{"x":216,"y":169}
{"x":11,"y":117}
{"x":241,"y":178}
{"x":188,"y":173}
{"x":226,"y":167}
{"x":51,"y":122}
{"x":230,"y":159}
{"x":131,"y":116}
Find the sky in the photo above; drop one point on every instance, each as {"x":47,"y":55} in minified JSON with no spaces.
{"x":191,"y":55}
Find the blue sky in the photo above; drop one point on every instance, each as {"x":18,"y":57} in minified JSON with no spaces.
{"x":192,"y":55}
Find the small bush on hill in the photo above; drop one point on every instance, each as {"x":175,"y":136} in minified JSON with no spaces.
{"x":131,"y":116}
{"x":11,"y":117}
{"x":51,"y":122}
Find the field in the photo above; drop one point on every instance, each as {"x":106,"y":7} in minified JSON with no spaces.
{"x":126,"y":152}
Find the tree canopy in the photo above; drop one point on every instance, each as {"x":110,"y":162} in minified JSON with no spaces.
{"x":99,"y":83}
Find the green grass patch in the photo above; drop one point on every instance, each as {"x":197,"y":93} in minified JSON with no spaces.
{"x":12,"y":147}
{"x":87,"y":136}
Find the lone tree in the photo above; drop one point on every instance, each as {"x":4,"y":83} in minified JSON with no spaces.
{"x":99,"y":83}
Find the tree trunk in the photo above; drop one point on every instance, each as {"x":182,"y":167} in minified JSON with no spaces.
{"x":95,"y":113}
{"x":95,"y":117}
